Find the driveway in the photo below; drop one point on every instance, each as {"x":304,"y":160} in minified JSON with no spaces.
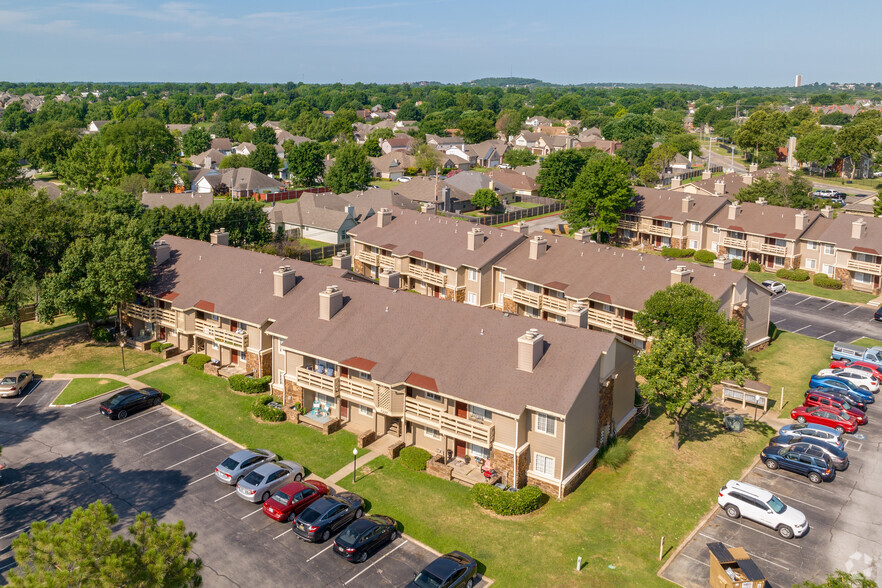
{"x":824,"y":319}
{"x":160,"y":462}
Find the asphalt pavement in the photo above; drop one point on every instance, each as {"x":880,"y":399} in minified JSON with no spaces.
{"x":824,"y":319}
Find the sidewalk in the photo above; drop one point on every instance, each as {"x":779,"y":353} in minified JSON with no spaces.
{"x":376,"y":449}
{"x":129,"y":380}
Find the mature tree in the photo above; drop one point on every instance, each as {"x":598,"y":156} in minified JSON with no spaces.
{"x":305,"y":162}
{"x":656,"y":162}
{"x":519,"y":158}
{"x":635,"y":150}
{"x":559,"y":170}
{"x":11,"y":172}
{"x":245,"y":219}
{"x":234,"y":160}
{"x":195,"y":140}
{"x":263,"y":136}
{"x":427,"y":158}
{"x":408,"y":111}
{"x":140,"y":144}
{"x":134,"y":184}
{"x":857,"y":140}
{"x":599,"y":195}
{"x":840,"y":579}
{"x":351,"y":170}
{"x":264,"y":159}
{"x":684,"y":143}
{"x":162,"y":178}
{"x":83,"y":551}
{"x":509,"y":123}
{"x":877,"y":204}
{"x":372,"y":143}
{"x":83,"y":166}
{"x":475,"y":129}
{"x":44,"y":145}
{"x":485,"y":198}
{"x":630,"y":126}
{"x":817,"y":147}
{"x":792,"y":193}
{"x":15,"y":118}
{"x":765,"y":130}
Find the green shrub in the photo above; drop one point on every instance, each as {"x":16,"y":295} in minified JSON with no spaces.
{"x":737,"y":264}
{"x":242,"y":383}
{"x":264,"y":412}
{"x":674,"y":252}
{"x":504,"y":503}
{"x":101,"y":335}
{"x":198,"y":360}
{"x":704,"y":256}
{"x":754,"y":266}
{"x":299,"y":408}
{"x":796,"y":275}
{"x":159,"y":346}
{"x":823,"y":281}
{"x":414,"y":458}
{"x":615,"y":454}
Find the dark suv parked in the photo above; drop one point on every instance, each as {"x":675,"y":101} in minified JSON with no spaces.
{"x":834,"y":403}
{"x":816,"y":469}
{"x":811,"y":446}
{"x":852,"y":399}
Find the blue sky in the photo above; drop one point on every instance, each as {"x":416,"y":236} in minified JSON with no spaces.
{"x":747,"y":43}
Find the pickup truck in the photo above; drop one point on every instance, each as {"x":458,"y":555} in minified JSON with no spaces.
{"x":856,"y":352}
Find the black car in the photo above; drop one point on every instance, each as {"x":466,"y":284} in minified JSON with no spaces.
{"x":812,"y":446}
{"x":365,"y":536}
{"x":327,"y":515}
{"x":815,"y":468}
{"x":878,"y":314}
{"x":124,"y":403}
{"x":452,"y":569}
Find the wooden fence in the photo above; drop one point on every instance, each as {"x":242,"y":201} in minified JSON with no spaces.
{"x":321,"y":252}
{"x":289,"y":194}
{"x":27,"y":313}
{"x":691,"y":174}
{"x":510,"y":217}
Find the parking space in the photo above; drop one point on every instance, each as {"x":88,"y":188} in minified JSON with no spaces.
{"x":159,"y":462}
{"x":844,"y":531}
{"x":824,"y":319}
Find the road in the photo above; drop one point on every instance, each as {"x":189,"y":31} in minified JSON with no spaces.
{"x":722,"y":160}
{"x":824,"y":319}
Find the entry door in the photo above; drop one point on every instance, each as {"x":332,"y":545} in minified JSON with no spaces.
{"x":344,"y":409}
{"x":461,"y":410}
{"x":234,"y":326}
{"x":162,"y":333}
{"x":234,"y":357}
{"x":459,"y":448}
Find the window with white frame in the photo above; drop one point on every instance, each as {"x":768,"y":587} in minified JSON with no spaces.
{"x":472,"y":298}
{"x":432,"y":433}
{"x":365,"y":410}
{"x":543,"y":464}
{"x":779,"y":260}
{"x":481,"y":413}
{"x":827,"y":269}
{"x":828,"y":250}
{"x":281,"y":377}
{"x":431,"y":396}
{"x":714,"y":247}
{"x":812,"y":245}
{"x":716,"y":229}
{"x":531,"y":312}
{"x":473,"y":275}
{"x":862,"y":278}
{"x":545,"y":423}
{"x":693,"y":244}
{"x":810,"y":264}
{"x":628,"y":234}
{"x":478,"y":451}
{"x":501,"y":300}
{"x":693,"y":227}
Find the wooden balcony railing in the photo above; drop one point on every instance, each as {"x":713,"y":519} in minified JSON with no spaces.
{"x":865,"y":267}
{"x":773,"y":249}
{"x":367,"y":257}
{"x":358,"y":390}
{"x":522,"y":296}
{"x":313,"y":380}
{"x":428,"y":276}
{"x":433,"y":415}
{"x":656,"y":230}
{"x":142,"y":313}
{"x":612,"y":322}
{"x":166,"y":317}
{"x":221,"y":336}
{"x":386,"y":261}
{"x":629,"y":225}
{"x":554,"y":304}
{"x":735,"y":243}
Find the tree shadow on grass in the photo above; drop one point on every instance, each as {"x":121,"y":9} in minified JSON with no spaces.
{"x":705,"y":423}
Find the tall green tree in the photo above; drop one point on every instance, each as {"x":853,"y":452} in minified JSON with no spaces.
{"x":485,"y":198}
{"x":264,"y":159}
{"x":11,"y":172}
{"x":195,"y":140}
{"x":372,"y":143}
{"x":600,"y":194}
{"x":139,"y":143}
{"x":519,"y":158}
{"x":817,"y":147}
{"x":427,"y":158}
{"x":264,"y":136}
{"x":234,"y":160}
{"x":351,"y":170}
{"x":857,"y":140}
{"x":475,"y":129}
{"x":559,"y":170}
{"x":84,"y":165}
{"x":305,"y":162}
{"x":46,"y":144}
{"x":162,"y":178}
{"x":763,"y":131}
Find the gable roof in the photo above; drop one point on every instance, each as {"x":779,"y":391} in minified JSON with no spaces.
{"x":838,"y":232}
{"x":172,"y":199}
{"x":512,"y":178}
{"x":764,"y":219}
{"x":322,"y":211}
{"x":240,"y":178}
{"x":469,"y":182}
{"x":423,"y":189}
{"x":669,"y":204}
{"x":222,"y":144}
{"x":215,"y":155}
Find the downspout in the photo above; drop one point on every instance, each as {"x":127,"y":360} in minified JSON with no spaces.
{"x":517,"y":440}
{"x":563,"y":457}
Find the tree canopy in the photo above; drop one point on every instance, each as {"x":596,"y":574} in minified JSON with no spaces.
{"x":601,"y":192}
{"x":350,"y":171}
{"x":195,"y":140}
{"x":305,"y":162}
{"x":485,"y":198}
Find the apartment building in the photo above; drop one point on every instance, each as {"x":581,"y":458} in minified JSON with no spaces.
{"x":588,"y":285}
{"x":432,"y":255}
{"x":848,"y":248}
{"x":664,"y":218}
{"x":728,"y":185}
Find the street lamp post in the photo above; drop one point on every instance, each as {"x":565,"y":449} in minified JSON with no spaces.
{"x":354,"y":459}
{"x":122,"y":350}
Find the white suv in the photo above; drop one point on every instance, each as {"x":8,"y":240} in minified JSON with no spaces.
{"x":740,"y":499}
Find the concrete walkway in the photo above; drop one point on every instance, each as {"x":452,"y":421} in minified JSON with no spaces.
{"x":128,"y":380}
{"x":376,"y":449}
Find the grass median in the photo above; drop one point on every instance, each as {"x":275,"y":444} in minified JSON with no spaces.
{"x":807,"y":287}
{"x":81,"y":389}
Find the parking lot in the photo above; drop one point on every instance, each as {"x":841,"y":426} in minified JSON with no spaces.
{"x":159,"y":462}
{"x":824,"y":319}
{"x":845,"y":526}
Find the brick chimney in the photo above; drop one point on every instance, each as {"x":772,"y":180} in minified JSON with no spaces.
{"x":827,"y":211}
{"x":521,"y":227}
{"x":284,"y":279}
{"x":220,"y":237}
{"x":723,"y":263}
{"x":538,"y":245}
{"x":475,"y":239}
{"x":384,"y":217}
{"x":582,"y":235}
{"x":688,"y":203}
{"x":160,"y":251}
{"x":342,"y":260}
{"x":858,"y":228}
{"x":428,"y":207}
{"x":389,"y":278}
{"x":801,"y":220}
{"x":577,"y":316}
{"x":676,"y":182}
{"x":208,"y":162}
{"x":719,"y":187}
{"x":531,"y":347}
{"x":330,"y":302}
{"x":681,"y":274}
{"x":734,"y":210}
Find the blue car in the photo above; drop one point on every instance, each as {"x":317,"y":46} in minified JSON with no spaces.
{"x":840,"y":384}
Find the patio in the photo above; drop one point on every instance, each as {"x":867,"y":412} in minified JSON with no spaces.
{"x":469,"y":473}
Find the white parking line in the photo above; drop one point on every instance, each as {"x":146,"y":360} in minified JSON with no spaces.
{"x":252,"y":513}
{"x":782,"y":295}
{"x":751,"y":555}
{"x":779,"y":322}
{"x":321,"y":552}
{"x":124,"y":421}
{"x":801,"y":329}
{"x":200,"y":479}
{"x":173,"y":442}
{"x":761,"y":532}
{"x":225,"y":495}
{"x":93,"y":416}
{"x":825,"y":334}
{"x":154,"y":429}
{"x":695,"y":560}
{"x":851,"y":311}
{"x":849,"y":443}
{"x":816,"y":486}
{"x":375,"y":563}
{"x":285,"y":533}
{"x":28,"y":395}
{"x":197,"y":455}
{"x":801,"y":301}
{"x":826,"y":305}
{"x":25,"y":528}
{"x":800,"y":501}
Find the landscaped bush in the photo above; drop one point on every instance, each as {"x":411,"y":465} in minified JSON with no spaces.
{"x":198,"y":360}
{"x":797,"y":275}
{"x":704,"y":256}
{"x":504,"y":503}
{"x":299,"y":408}
{"x":414,"y":458}
{"x":264,"y":412}
{"x":248,"y":385}
{"x":737,"y":264}
{"x":674,"y":252}
{"x":159,"y":347}
{"x":823,"y":281}
{"x":615,"y":454}
{"x":754,"y":266}
{"x":101,"y":335}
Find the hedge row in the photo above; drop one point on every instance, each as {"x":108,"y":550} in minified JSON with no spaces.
{"x":705,"y":256}
{"x":198,"y":360}
{"x":504,"y":503}
{"x":737,"y":264}
{"x":674,"y":252}
{"x":159,"y":347}
{"x":241,"y":383}
{"x":797,"y":275}
{"x":824,"y":281}
{"x":754,"y":266}
{"x":414,"y":458}
{"x":264,"y":412}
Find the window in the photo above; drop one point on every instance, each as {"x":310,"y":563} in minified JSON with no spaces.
{"x":472,"y":298}
{"x":827,"y":269}
{"x":481,"y":413}
{"x":810,"y":264}
{"x":628,"y":234}
{"x":812,"y":245}
{"x":432,"y":433}
{"x":213,"y":317}
{"x":863,"y":278}
{"x":693,"y":227}
{"x":779,"y":261}
{"x":365,"y":410}
{"x":431,"y":396}
{"x":714,"y":247}
{"x":532,"y":288}
{"x":544,"y":423}
{"x":828,"y":250}
{"x":281,"y":379}
{"x":543,"y":464}
{"x":214,"y":345}
{"x":500,"y":302}
{"x":693,"y":244}
{"x":473,"y":275}
{"x":716,"y":229}
{"x":478,"y":451}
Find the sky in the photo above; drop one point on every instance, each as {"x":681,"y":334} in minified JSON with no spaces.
{"x":747,"y":43}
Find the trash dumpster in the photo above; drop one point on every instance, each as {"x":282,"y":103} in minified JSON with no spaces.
{"x":733,"y":568}
{"x":733,"y":422}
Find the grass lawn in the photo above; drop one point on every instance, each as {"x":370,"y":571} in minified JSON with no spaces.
{"x":386,"y":184}
{"x":209,"y":400}
{"x":809,"y":288}
{"x":73,"y":353}
{"x":325,"y":261}
{"x":867,"y":342}
{"x":614,"y":520}
{"x":789,"y":362}
{"x":524,"y":204}
{"x":313,"y":244}
{"x":36,"y":328}
{"x":871,"y":184}
{"x":84,"y":388}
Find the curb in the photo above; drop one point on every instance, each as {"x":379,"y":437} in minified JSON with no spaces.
{"x":51,"y":405}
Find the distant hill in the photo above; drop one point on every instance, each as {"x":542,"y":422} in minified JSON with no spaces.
{"x":502,"y":82}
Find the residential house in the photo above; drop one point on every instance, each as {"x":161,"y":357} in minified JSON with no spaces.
{"x":368,"y":202}
{"x":863,"y":206}
{"x":172,"y":199}
{"x":398,"y":143}
{"x":552,"y":130}
{"x":208,"y":159}
{"x":538,"y":121}
{"x":245,"y":148}
{"x":283,"y":136}
{"x":320,"y":217}
{"x":521,"y":183}
{"x":569,"y":123}
{"x":393,"y":165}
{"x":273,"y":124}
{"x":433,"y":255}
{"x":663,"y":218}
{"x":179,"y":129}
{"x":547,"y":144}
{"x":487,"y":153}
{"x":592,"y":134}
{"x":848,"y":248}
{"x":728,"y":185}
{"x":470,"y":182}
{"x":528,"y":140}
{"x":445,"y":143}
{"x":606,"y":146}
{"x":222,"y":144}
{"x":242,"y":181}
{"x":53,"y":190}
{"x":437,"y":194}
{"x":95,"y":126}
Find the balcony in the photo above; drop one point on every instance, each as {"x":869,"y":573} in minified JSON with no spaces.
{"x":656,"y":230}
{"x":433,"y":415}
{"x":386,"y":262}
{"x":629,"y":225}
{"x":866,"y":267}
{"x":165,"y":317}
{"x":427,"y":276}
{"x":319,"y":382}
{"x":215,"y":333}
{"x":554,"y":304}
{"x":773,"y":249}
{"x":612,"y":322}
{"x":142,"y":313}
{"x":526,"y":297}
{"x":367,"y":257}
{"x":357,"y":390}
{"x":734,"y":243}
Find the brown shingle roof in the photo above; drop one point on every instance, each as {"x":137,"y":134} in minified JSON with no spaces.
{"x":838,"y":231}
{"x":759,"y":219}
{"x":668,"y":203}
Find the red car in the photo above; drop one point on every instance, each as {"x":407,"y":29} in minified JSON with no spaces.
{"x":841,"y":421}
{"x":863,"y":366}
{"x":290,"y":500}
{"x":834,"y":403}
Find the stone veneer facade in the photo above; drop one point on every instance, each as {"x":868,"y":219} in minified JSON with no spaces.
{"x":503,"y":463}
{"x":293,"y":393}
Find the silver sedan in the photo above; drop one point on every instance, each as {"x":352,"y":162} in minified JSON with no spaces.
{"x":262,"y":482}
{"x":242,"y":463}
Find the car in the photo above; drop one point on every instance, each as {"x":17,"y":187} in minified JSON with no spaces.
{"x":878,"y":314}
{"x":261,"y":483}
{"x":775,"y":287}
{"x":15,"y":383}
{"x":129,"y":401}
{"x":858,"y":365}
{"x":834,"y":403}
{"x":504,"y":166}
{"x":823,"y":193}
{"x":290,"y":500}
{"x":846,"y":395}
{"x":859,"y":378}
{"x":403,"y":179}
{"x":327,"y":515}
{"x":740,"y":499}
{"x":841,"y":421}
{"x":240,"y":464}
{"x":816,"y":469}
{"x":365,"y":536}
{"x":838,"y":457}
{"x":841,"y":384}
{"x":820,"y":432}
{"x":451,"y":570}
